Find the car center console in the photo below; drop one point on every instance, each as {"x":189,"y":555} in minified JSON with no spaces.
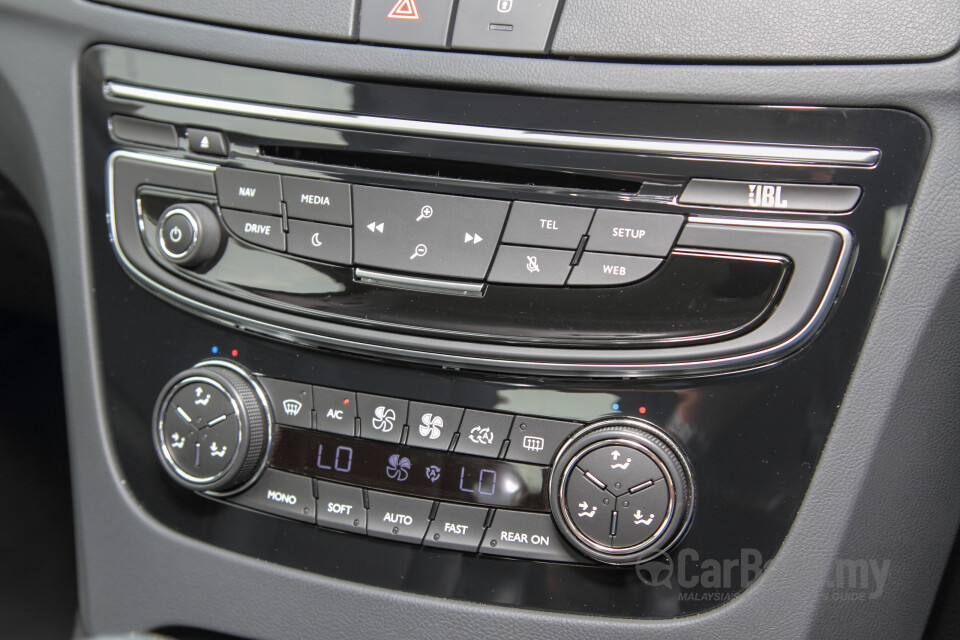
{"x":499,"y":348}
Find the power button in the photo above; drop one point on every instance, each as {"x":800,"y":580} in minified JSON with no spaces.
{"x":188,"y":234}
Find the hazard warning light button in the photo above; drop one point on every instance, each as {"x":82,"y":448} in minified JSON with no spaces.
{"x":416,"y":23}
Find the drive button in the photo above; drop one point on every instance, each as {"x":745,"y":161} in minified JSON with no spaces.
{"x":526,"y":535}
{"x":255,"y":228}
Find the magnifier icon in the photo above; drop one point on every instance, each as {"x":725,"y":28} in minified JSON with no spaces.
{"x":419,"y":252}
{"x":425,"y":212}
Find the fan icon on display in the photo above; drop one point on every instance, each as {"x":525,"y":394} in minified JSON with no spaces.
{"x":430,"y":426}
{"x":383,"y":419}
{"x":398,"y":468}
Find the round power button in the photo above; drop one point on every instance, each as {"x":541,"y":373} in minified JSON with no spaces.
{"x":188,"y":234}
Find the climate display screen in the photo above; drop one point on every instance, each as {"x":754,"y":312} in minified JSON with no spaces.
{"x":411,"y":471}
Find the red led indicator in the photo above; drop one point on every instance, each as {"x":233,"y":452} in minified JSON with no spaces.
{"x":234,"y":353}
{"x":643,"y":410}
{"x":346,"y":401}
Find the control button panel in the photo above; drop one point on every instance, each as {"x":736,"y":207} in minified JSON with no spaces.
{"x":426,"y":233}
{"x":821,"y":198}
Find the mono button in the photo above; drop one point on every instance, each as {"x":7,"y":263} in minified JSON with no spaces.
{"x":282,"y":494}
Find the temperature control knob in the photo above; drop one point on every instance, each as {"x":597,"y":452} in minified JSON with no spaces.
{"x":621,"y":491}
{"x":212,"y":427}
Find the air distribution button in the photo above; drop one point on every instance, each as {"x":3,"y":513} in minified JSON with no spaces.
{"x":621,"y":491}
{"x":212,"y":427}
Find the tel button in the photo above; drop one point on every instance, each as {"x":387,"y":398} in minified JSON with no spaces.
{"x":336,"y":410}
{"x":398,"y":517}
{"x":456,"y":527}
{"x":341,"y":507}
{"x":518,"y":534}
{"x":255,"y":228}
{"x":546,"y":225}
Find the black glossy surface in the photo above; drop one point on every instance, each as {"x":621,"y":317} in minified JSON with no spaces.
{"x":365,"y":463}
{"x":753,"y":438}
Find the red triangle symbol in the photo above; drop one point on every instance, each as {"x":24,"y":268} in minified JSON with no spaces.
{"x":404,"y":10}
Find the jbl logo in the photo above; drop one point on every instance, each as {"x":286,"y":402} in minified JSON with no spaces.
{"x":766,"y":196}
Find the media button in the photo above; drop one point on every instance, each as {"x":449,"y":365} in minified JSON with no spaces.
{"x":336,"y":410}
{"x":317,"y":200}
{"x":456,"y":527}
{"x":381,"y":418}
{"x":531,"y":266}
{"x":398,"y":517}
{"x":248,"y":190}
{"x":256,"y":228}
{"x":536,"y":440}
{"x":292,"y":402}
{"x":482,"y":433}
{"x":546,"y":225}
{"x":533,"y":536}
{"x":611,"y":269}
{"x":323,"y":242}
{"x":341,"y":507}
{"x":432,"y":425}
{"x":634,"y":232}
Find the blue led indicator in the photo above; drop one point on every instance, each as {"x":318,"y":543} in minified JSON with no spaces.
{"x":616,"y":405}
{"x":214,"y":349}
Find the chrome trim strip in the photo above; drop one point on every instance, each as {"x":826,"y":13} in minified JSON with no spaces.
{"x":641,"y":369}
{"x":699,"y":149}
{"x":418,"y":284}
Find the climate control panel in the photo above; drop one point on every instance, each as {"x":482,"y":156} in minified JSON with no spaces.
{"x":616,"y":491}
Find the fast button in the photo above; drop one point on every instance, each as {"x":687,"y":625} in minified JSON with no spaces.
{"x":456,"y":527}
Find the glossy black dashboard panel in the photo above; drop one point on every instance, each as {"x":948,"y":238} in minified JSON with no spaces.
{"x":753,"y":436}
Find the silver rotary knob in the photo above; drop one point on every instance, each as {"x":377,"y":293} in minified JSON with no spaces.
{"x":212,"y":427}
{"x":621,"y":491}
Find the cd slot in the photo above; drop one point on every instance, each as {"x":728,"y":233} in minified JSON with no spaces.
{"x":452,"y":170}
